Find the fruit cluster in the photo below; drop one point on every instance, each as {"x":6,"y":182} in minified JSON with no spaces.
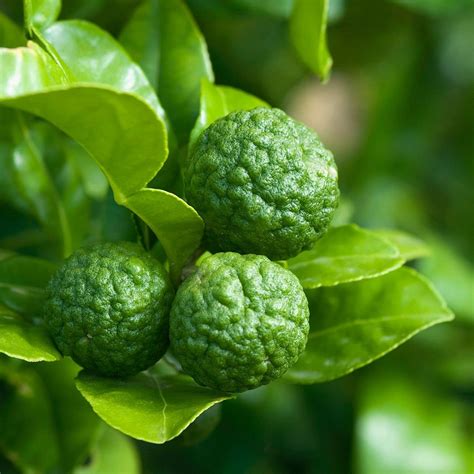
{"x":266,"y":188}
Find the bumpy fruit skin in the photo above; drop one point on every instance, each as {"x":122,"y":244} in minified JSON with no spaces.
{"x":240,"y":321}
{"x":108,"y":308}
{"x":263,"y":183}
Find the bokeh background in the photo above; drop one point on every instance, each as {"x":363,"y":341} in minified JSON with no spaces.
{"x":398,"y":113}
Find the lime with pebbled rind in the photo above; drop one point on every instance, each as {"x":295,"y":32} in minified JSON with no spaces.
{"x":263,"y":183}
{"x":108,"y":308}
{"x":238,"y":322}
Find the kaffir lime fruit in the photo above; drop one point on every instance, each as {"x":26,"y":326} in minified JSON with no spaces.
{"x":263,"y":183}
{"x":238,"y":322}
{"x":108,"y":308}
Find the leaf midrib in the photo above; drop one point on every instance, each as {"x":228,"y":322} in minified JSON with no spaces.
{"x":357,"y":322}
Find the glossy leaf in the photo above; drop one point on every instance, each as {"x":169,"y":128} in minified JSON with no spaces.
{"x":113,"y":452}
{"x":83,"y":47}
{"x":70,"y":410}
{"x":27,"y":438}
{"x":308,"y":33}
{"x":128,"y":127}
{"x":24,"y":340}
{"x":218,"y":101}
{"x":347,"y":253}
{"x":22,"y":282}
{"x":410,"y":247}
{"x":163,"y":38}
{"x":353,"y":324}
{"x":149,"y":407}
{"x":126,"y":122}
{"x":176,"y":224}
{"x":41,"y":13}
{"x":406,"y":428}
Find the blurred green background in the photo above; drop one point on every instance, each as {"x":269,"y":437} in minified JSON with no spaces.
{"x":398,"y":113}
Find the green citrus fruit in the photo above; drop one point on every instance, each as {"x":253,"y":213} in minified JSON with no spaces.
{"x":238,"y":322}
{"x":108,"y":308}
{"x":263,"y":183}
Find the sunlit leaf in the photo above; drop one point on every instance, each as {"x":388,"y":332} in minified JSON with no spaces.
{"x":347,"y":253}
{"x":218,"y":101}
{"x":109,"y":123}
{"x":163,"y":38}
{"x":149,"y":407}
{"x":308,"y":34}
{"x":24,"y":340}
{"x":353,"y":324}
{"x":410,"y":247}
{"x":41,"y":13}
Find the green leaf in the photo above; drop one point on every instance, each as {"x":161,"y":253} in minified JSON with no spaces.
{"x":113,"y":452}
{"x":218,"y":101}
{"x":107,"y":123}
{"x":110,"y":124}
{"x":176,"y":224}
{"x":453,"y":276}
{"x":93,"y":180}
{"x":22,"y":281}
{"x":83,"y":46}
{"x":164,"y":39}
{"x":353,"y":324}
{"x":408,"y":429}
{"x":148,"y":407}
{"x":41,"y":13}
{"x":11,"y":35}
{"x":347,"y":253}
{"x":308,"y":34}
{"x":23,"y":340}
{"x":27,"y":438}
{"x":32,"y":187}
{"x":70,"y":410}
{"x":410,"y":247}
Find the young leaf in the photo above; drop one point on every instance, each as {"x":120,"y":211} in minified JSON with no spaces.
{"x":218,"y":101}
{"x":163,"y":38}
{"x":23,"y":340}
{"x":347,"y":253}
{"x":113,"y":452}
{"x":27,"y":437}
{"x":410,"y":247}
{"x":148,"y":407}
{"x":353,"y":324}
{"x":308,"y":34}
{"x":41,"y":13}
{"x":425,"y":428}
{"x":22,"y":281}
